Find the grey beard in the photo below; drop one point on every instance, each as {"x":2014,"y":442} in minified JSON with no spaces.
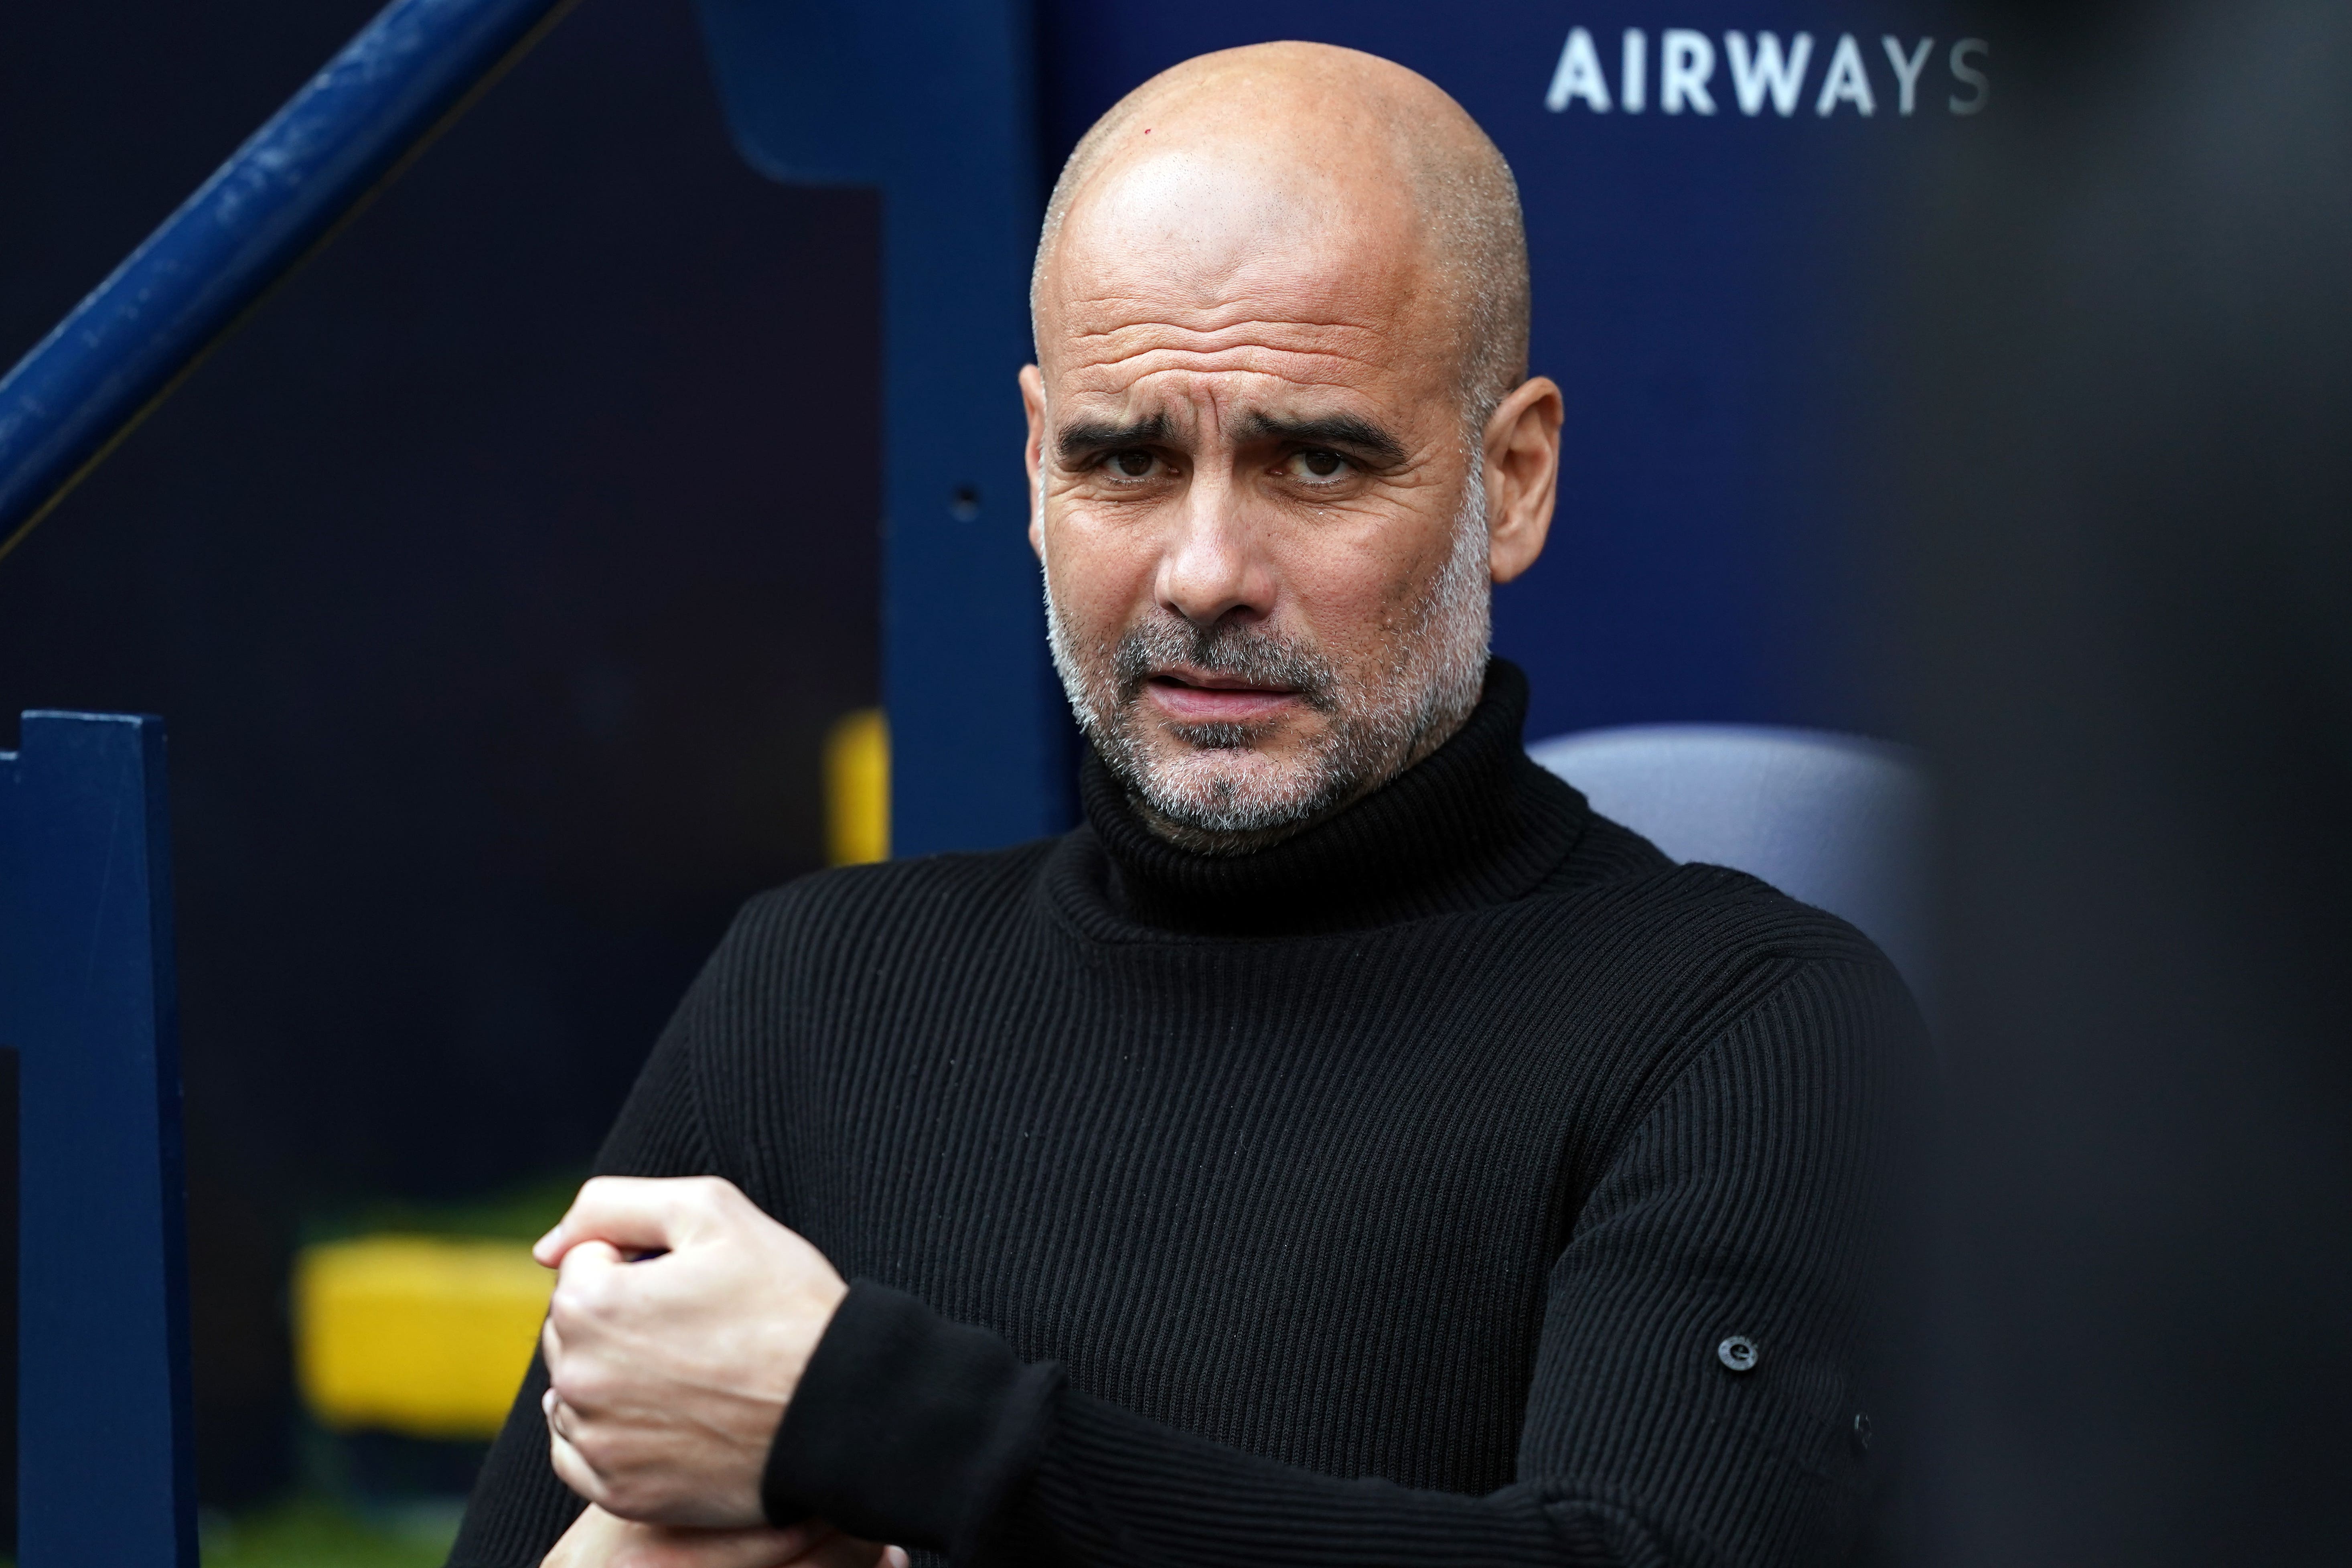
{"x":1379,"y":726}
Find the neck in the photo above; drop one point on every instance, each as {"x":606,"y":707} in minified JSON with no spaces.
{"x":1464,"y":819}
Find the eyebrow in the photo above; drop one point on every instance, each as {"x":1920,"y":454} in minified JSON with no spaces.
{"x":1090,"y":436}
{"x":1329,"y":430}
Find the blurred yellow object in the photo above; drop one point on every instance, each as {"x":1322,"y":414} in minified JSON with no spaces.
{"x":427,"y":1336}
{"x":857,"y":788}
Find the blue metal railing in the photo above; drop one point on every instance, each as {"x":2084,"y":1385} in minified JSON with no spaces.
{"x":349,"y":128}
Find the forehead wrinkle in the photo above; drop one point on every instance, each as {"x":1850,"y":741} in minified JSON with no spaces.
{"x":1231,"y":347}
{"x":1260,"y":333}
{"x":1324,"y":306}
{"x":1117,"y":376}
{"x":1245,"y":345}
{"x":1349,"y":305}
{"x":1118,"y":347}
{"x":1232,"y":297}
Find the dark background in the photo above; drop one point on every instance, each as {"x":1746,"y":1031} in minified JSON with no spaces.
{"x":497,"y":584}
{"x":2131,"y":593}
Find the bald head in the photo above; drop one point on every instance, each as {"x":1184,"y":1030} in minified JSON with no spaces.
{"x":1237,"y":157}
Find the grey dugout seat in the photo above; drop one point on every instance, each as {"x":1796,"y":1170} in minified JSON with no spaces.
{"x":1837,"y":821}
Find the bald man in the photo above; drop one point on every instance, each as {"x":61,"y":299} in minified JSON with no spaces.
{"x":1345,"y":1147}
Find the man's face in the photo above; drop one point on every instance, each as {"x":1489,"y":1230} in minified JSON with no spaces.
{"x":1266,"y":557}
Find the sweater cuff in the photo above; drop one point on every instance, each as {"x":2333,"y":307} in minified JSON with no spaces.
{"x":906,"y":1427}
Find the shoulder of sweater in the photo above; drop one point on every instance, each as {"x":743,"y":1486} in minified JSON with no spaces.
{"x":1720,"y":946}
{"x":1624,"y":882}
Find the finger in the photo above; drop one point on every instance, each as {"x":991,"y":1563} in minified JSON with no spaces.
{"x":582,"y":1281}
{"x":634,"y":1213}
{"x":571,"y":1470}
{"x":896,"y":1557}
{"x":558,"y":1414}
{"x":578,"y":1280}
{"x":586,"y":1257}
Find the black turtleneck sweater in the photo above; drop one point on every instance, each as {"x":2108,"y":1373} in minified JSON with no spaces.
{"x":1390,"y":1195}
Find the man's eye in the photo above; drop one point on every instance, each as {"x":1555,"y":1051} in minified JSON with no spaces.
{"x":1132,"y":465}
{"x":1317,"y":463}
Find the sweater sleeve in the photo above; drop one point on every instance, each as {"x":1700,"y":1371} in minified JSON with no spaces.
{"x":1705,"y":1390}
{"x":520,"y":1509}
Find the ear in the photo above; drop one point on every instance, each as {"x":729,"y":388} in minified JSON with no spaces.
{"x":1522,"y":453}
{"x":1032,"y":403}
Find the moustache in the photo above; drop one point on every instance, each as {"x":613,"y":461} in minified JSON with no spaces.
{"x":1237,"y":652}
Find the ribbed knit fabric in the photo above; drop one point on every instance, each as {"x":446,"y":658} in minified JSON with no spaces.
{"x":1382,"y":1197}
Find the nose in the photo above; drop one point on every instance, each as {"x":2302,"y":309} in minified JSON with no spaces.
{"x":1210,"y":568}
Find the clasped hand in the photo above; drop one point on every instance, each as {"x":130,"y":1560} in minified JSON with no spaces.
{"x":682,"y":1320}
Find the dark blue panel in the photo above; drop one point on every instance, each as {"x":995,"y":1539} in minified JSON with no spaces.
{"x":934,"y":103}
{"x":86,"y":1001}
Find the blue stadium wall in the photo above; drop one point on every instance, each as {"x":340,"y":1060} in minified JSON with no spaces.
{"x":1716,"y":259}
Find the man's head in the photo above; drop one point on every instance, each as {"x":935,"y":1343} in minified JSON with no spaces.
{"x":1279,"y":433}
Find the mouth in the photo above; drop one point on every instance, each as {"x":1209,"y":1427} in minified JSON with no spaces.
{"x":1197,"y":697}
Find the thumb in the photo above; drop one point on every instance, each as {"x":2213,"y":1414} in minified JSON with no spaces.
{"x":632,"y":1214}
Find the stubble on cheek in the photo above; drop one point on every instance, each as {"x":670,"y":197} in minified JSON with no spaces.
{"x":1220,"y":778}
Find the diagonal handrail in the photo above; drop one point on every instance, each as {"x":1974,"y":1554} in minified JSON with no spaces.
{"x":349,"y":131}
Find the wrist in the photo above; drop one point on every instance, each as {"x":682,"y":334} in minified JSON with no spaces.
{"x":809,"y":1310}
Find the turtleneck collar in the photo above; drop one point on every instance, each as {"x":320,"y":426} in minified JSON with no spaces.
{"x":1473,"y":823}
